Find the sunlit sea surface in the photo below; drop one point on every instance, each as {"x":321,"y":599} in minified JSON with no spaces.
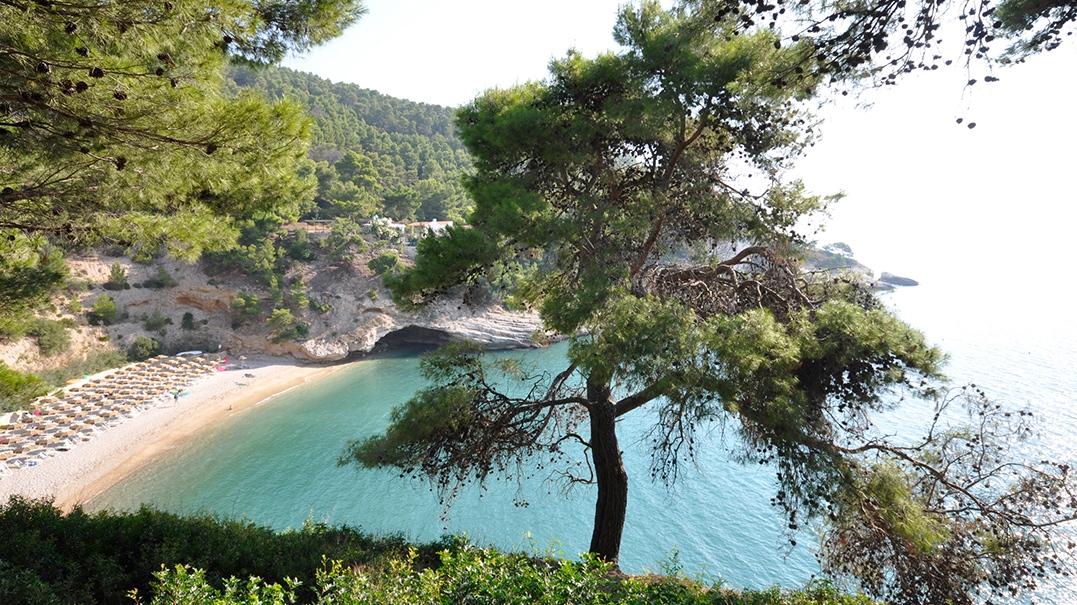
{"x":276,"y":463}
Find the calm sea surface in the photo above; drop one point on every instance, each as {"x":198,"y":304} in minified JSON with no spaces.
{"x":275,"y":464}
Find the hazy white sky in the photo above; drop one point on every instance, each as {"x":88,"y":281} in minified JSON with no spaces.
{"x":925,"y":196}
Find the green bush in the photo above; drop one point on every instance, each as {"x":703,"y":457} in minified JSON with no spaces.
{"x":282,"y":322}
{"x":156,"y":321}
{"x":245,"y":307}
{"x":98,"y":559}
{"x":187,"y":323}
{"x":97,"y":361}
{"x":17,"y":390}
{"x":466,"y":574}
{"x":117,"y":278}
{"x":256,"y":255}
{"x":74,"y":306}
{"x":386,"y":262}
{"x":75,"y":284}
{"x":297,"y":294}
{"x":26,"y":284}
{"x":162,"y":280}
{"x":103,"y":311}
{"x":345,"y":238}
{"x":14,"y":328}
{"x":299,"y":248}
{"x":52,"y":336}
{"x":143,"y":348}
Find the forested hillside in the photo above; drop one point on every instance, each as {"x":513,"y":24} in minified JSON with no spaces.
{"x":369,"y":154}
{"x":372,"y":153}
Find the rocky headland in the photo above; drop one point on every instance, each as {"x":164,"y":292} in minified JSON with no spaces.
{"x":897,"y":280}
{"x":354,"y":314}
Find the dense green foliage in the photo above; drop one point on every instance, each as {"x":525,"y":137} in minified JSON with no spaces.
{"x":103,"y":312}
{"x":384,"y":263}
{"x":162,"y":280}
{"x":52,"y":336}
{"x":471,"y":575}
{"x":28,"y":276}
{"x":117,"y":278}
{"x":113,"y":125}
{"x":48,"y":558}
{"x":17,"y":389}
{"x":375,"y":154}
{"x":98,"y":558}
{"x":143,"y":348}
{"x":97,"y":361}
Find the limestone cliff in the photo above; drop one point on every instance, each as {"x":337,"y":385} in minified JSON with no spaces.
{"x":357,"y":314}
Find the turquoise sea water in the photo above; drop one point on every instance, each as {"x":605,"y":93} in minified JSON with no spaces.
{"x":275,"y":464}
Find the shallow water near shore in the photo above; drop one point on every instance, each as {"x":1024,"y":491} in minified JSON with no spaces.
{"x":275,"y":464}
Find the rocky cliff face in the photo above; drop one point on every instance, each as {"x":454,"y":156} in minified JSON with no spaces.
{"x":360,"y":315}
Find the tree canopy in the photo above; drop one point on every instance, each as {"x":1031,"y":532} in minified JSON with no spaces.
{"x":599,"y":180}
{"x":374,"y":154}
{"x":112,"y":123}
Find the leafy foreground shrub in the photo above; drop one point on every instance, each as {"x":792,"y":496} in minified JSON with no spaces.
{"x":98,"y":559}
{"x":471,"y":575}
{"x":105,"y":558}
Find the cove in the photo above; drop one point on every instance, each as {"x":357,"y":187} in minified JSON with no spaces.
{"x":276,"y":465}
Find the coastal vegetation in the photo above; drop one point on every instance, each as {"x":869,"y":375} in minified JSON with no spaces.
{"x":48,"y":557}
{"x":143,"y":130}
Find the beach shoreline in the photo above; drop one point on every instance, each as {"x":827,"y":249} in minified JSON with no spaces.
{"x":73,"y":478}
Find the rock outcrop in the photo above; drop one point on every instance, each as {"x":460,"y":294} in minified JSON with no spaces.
{"x":356,"y":314}
{"x":896,"y":280}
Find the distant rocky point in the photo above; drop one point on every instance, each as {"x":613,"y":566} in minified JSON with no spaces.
{"x":897,"y":280}
{"x":839,"y":258}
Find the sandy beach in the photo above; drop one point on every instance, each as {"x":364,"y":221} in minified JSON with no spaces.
{"x":91,"y":466}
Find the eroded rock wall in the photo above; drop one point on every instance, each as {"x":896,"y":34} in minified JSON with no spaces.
{"x":359,"y":314}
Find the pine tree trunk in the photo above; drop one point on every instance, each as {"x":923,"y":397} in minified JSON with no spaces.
{"x":610,"y":475}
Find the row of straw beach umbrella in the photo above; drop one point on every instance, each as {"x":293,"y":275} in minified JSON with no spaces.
{"x":55,"y":423}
